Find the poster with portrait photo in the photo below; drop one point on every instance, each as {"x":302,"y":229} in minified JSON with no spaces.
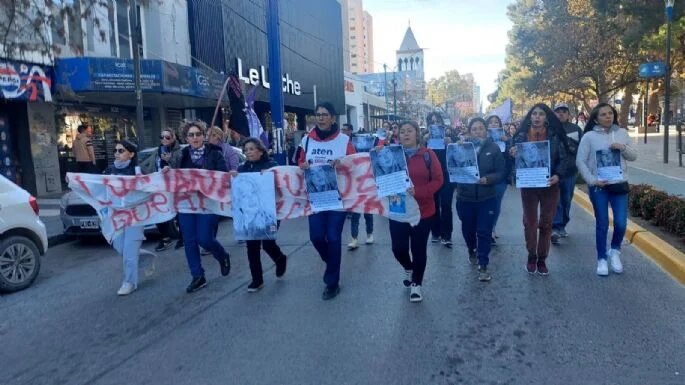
{"x":253,"y":198}
{"x":390,"y":170}
{"x":609,"y":165}
{"x":532,"y":164}
{"x":462,"y":163}
{"x":496,"y":135}
{"x":322,"y":188}
{"x":436,"y":137}
{"x":382,"y":134}
{"x":363,"y":143}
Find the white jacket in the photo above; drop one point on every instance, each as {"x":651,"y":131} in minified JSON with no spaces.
{"x":600,"y":139}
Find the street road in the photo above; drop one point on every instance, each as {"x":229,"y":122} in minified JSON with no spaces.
{"x":571,"y":327}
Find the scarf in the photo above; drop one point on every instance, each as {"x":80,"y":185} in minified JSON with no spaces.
{"x":197,"y":155}
{"x":119,"y":165}
{"x":477,"y":143}
{"x":409,"y":152}
{"x":537,"y":134}
{"x":325,"y":134}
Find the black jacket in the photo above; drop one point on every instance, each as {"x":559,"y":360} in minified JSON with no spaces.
{"x":562,"y":162}
{"x":492,"y":166}
{"x":264,"y":163}
{"x":129,"y":170}
{"x":213,"y":159}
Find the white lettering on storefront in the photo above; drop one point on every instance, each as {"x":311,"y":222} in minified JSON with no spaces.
{"x":257,"y":77}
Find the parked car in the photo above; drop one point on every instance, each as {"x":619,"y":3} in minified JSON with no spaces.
{"x":23,"y":238}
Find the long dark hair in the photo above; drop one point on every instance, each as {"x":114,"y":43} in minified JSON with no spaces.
{"x":430,"y":116}
{"x":592,"y":120}
{"x":491,"y":117}
{"x":552,"y":122}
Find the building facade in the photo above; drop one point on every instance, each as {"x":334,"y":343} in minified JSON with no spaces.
{"x":357,"y":25}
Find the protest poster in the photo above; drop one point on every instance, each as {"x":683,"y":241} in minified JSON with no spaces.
{"x":609,"y":165}
{"x":322,"y":188}
{"x":253,"y":197}
{"x":390,"y":170}
{"x":436,"y":138}
{"x":496,"y":135}
{"x":363,"y":143}
{"x":462,"y":163}
{"x":532,"y":164}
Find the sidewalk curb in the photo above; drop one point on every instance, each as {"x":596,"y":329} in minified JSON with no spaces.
{"x":666,"y":256}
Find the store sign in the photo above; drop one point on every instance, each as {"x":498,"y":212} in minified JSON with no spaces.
{"x":259,"y":76}
{"x":25,"y":81}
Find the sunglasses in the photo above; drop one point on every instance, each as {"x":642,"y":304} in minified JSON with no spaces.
{"x":167,"y":137}
{"x":195,"y":134}
{"x":119,"y":150}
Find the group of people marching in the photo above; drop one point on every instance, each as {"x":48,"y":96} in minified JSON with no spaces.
{"x":478,"y":206}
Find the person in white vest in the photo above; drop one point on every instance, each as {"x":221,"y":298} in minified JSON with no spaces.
{"x":325,"y":144}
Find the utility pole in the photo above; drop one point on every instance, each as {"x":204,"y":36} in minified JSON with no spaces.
{"x":666,"y":118}
{"x":273,"y":34}
{"x":394,"y":94}
{"x":385,"y":91}
{"x":135,"y":44}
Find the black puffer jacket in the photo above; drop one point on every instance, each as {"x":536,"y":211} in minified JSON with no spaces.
{"x":562,"y":163}
{"x":492,"y":166}
{"x":264,"y":163}
{"x":213,"y":159}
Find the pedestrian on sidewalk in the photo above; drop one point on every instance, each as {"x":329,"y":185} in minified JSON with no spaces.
{"x":494,"y":122}
{"x":325,"y":144}
{"x":541,"y":124}
{"x":83,"y":150}
{"x":477,"y":203}
{"x":198,"y":229}
{"x":442,"y":225}
{"x":410,"y":243}
{"x":604,"y":136}
{"x":129,"y":241}
{"x":355,"y":217}
{"x":258,"y":160}
{"x":567,"y":184}
{"x":168,"y":154}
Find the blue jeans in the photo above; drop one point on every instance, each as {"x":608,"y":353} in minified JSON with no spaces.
{"x":127,"y":244}
{"x":354,"y":224}
{"x":601,"y":200}
{"x":477,"y":220}
{"x":566,"y":187}
{"x":198,"y":229}
{"x":500,"y":189}
{"x":325,"y":232}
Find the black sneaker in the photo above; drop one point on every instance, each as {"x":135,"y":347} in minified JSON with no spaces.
{"x":179,"y":244}
{"x":225,"y":265}
{"x":447,"y":243}
{"x":163,"y":245}
{"x":281,"y":265}
{"x":483,"y":274}
{"x":330,"y":292}
{"x":196,"y":284}
{"x":255,"y":287}
{"x":473,"y":258}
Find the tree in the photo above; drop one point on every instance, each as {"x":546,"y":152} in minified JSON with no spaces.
{"x":449,"y":87}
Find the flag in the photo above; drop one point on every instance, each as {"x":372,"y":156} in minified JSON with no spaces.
{"x":236,"y":99}
{"x":504,"y":110}
{"x":256,"y":129}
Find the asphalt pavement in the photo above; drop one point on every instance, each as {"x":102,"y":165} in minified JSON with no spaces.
{"x":571,"y":327}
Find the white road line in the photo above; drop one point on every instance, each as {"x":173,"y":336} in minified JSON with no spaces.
{"x":49,"y":212}
{"x":656,"y":173}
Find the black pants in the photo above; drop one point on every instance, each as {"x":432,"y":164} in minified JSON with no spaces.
{"x":441,"y":226}
{"x":86,"y":167}
{"x":404,"y":238}
{"x":254,"y":256}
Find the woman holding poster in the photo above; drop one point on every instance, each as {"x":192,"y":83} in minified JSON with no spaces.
{"x":542,"y":125}
{"x":477,"y":203}
{"x":500,"y":136}
{"x":602,"y":155}
{"x":325,"y":144}
{"x":257,"y":161}
{"x":409,"y":243}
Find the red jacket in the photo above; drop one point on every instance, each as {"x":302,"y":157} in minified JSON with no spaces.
{"x":426,"y":183}
{"x":312,"y":136}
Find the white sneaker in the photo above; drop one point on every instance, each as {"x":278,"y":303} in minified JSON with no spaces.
{"x":602,"y":267}
{"x":407,"y":278}
{"x":126,"y":289}
{"x":415,"y":293}
{"x":614,"y":257}
{"x":353,"y":245}
{"x":369,"y":239}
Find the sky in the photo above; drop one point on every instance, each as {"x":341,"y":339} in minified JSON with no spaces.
{"x":469,"y":36}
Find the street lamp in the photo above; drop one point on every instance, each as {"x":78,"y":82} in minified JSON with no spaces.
{"x":667,"y":98}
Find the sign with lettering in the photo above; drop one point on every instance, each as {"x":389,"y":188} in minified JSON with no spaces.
{"x":255,"y":77}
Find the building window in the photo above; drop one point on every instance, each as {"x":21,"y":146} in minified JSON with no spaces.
{"x":123,"y":31}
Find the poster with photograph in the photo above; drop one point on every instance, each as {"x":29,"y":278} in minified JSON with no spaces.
{"x":609,"y":165}
{"x":496,"y":135}
{"x":382,"y":134}
{"x":532,"y":164}
{"x":436,"y":138}
{"x":390,"y":170}
{"x":253,"y":198}
{"x":397,"y":204}
{"x":322,"y":188}
{"x":462,"y":163}
{"x":363,"y":143}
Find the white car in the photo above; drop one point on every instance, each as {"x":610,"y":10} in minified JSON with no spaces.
{"x":23,"y":238}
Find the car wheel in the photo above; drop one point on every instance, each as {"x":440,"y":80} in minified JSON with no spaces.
{"x":19,"y":263}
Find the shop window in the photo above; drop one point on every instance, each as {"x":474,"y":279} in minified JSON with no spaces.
{"x":123,"y":30}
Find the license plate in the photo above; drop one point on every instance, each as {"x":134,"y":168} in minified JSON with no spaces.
{"x":90,"y":224}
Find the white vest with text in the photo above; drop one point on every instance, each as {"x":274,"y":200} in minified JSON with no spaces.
{"x":319,"y":153}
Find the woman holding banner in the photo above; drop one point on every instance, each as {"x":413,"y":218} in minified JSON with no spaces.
{"x":604,"y":136}
{"x":323,"y":145}
{"x":541,"y":124}
{"x":198,"y":229}
{"x":477,"y":203}
{"x":410,"y":243}
{"x":258,"y":160}
{"x":128,"y":243}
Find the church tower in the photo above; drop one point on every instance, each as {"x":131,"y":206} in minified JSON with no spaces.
{"x":410,"y":56}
